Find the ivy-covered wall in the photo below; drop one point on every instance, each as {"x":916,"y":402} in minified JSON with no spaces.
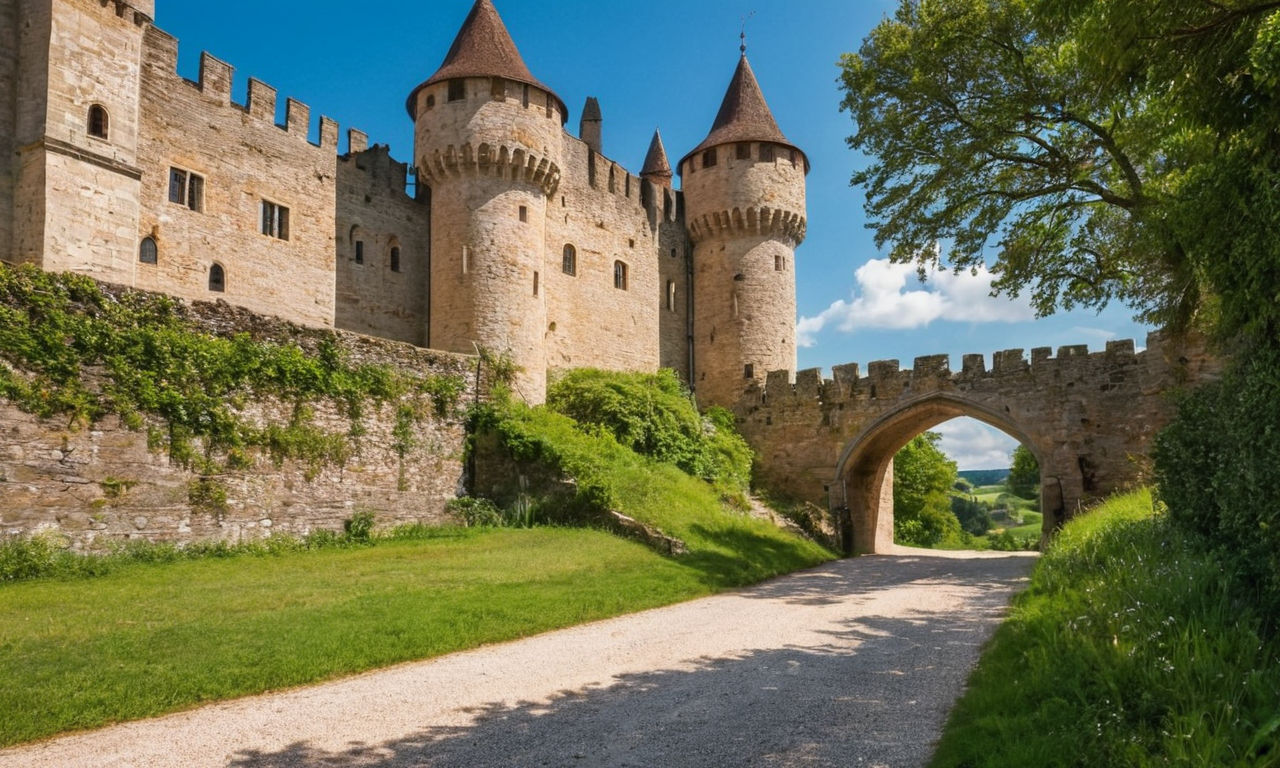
{"x":127,"y":415}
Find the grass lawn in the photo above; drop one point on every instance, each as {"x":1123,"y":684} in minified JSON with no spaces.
{"x":1132,"y":647}
{"x":153,"y":638}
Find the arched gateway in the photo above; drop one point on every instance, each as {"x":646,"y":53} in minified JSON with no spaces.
{"x":1088,"y":418}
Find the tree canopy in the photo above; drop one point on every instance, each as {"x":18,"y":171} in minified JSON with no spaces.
{"x":1024,"y":475}
{"x":1084,"y":151}
{"x":922,"y":479}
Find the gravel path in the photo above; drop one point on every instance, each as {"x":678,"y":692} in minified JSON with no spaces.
{"x":853,"y":663}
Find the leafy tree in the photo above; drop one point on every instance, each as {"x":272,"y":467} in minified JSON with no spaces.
{"x":922,"y":478}
{"x":974,"y":515}
{"x":1074,"y":145}
{"x":1024,"y":475}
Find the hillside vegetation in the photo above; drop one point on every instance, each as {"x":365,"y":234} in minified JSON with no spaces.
{"x":1131,"y":647}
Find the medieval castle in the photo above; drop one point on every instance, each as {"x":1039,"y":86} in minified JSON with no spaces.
{"x":519,"y":238}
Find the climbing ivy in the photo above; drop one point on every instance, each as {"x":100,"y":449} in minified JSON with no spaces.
{"x":70,"y":349}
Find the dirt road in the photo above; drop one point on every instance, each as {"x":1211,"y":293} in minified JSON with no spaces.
{"x":854,"y":663}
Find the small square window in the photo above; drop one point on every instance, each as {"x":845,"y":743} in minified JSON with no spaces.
{"x":709,"y":158}
{"x":457,"y":89}
{"x":766,"y":153}
{"x":743,"y":151}
{"x":186,"y":188}
{"x":275,"y":220}
{"x":524,"y":213}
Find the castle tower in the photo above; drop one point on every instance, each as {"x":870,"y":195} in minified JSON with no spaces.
{"x":657,"y":169}
{"x":70,"y":175}
{"x":591,"y":125}
{"x":488,"y":144}
{"x":744,"y":189}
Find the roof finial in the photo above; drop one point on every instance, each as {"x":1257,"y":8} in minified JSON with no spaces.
{"x":745,"y":19}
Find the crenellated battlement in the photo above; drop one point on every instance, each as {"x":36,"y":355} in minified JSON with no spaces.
{"x":214,"y":85}
{"x":516,"y":163}
{"x":137,"y":12}
{"x":885,"y":379}
{"x":763,"y":221}
{"x":375,"y":163}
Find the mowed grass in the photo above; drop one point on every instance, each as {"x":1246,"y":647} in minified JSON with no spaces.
{"x":1132,"y":647}
{"x":153,"y":638}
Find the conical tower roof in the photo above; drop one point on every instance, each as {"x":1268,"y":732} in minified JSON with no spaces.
{"x":484,"y":48}
{"x":744,"y":116}
{"x":656,"y":163}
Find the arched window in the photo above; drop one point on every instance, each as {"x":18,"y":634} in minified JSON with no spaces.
{"x":671,"y":295}
{"x":99,"y":121}
{"x":570,"y":262}
{"x":620,"y":275}
{"x":395,"y":258}
{"x":147,"y":251}
{"x":217,"y":279}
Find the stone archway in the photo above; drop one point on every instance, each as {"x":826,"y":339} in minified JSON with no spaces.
{"x":864,"y":478}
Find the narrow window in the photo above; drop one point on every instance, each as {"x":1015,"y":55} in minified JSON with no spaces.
{"x":275,"y":220}
{"x":550,"y":109}
{"x":671,"y":295}
{"x":709,"y":158}
{"x":766,"y":153}
{"x":147,"y":251}
{"x":217,"y":279}
{"x":99,"y":121}
{"x":779,"y":263}
{"x":431,"y":100}
{"x":620,"y":275}
{"x":359,"y":251}
{"x":395,"y":258}
{"x":795,"y":159}
{"x":457,"y":89}
{"x":748,"y":371}
{"x":743,"y":150}
{"x":631,"y":242}
{"x":673,"y":253}
{"x":498,"y":89}
{"x":466,"y":258}
{"x":186,"y":188}
{"x":570,"y":263}
{"x":524,"y":213}
{"x":535,"y":283}
{"x":526,"y":97}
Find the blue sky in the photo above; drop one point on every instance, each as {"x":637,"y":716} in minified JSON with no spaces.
{"x":660,"y":64}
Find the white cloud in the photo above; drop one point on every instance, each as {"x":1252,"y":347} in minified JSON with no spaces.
{"x":972,"y":444}
{"x":1098,"y":334}
{"x":881,"y":299}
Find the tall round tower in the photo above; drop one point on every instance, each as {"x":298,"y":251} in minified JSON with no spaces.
{"x":744,"y":189}
{"x":487,"y":143}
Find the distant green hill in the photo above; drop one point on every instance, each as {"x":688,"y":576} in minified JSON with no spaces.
{"x":984,"y":476}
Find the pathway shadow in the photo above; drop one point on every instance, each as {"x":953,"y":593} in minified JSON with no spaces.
{"x":881,"y":702}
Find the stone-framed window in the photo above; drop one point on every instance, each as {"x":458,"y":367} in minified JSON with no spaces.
{"x":148,"y":253}
{"x":275,"y":220}
{"x":524,"y":213}
{"x":217,"y":278}
{"x":498,"y":89}
{"x":709,"y":158}
{"x":431,"y":101}
{"x":620,"y":275}
{"x":742,"y":150}
{"x":766,"y":153}
{"x":748,"y":371}
{"x":569,"y":264}
{"x":186,"y":188}
{"x":779,"y":262}
{"x":525,"y":99}
{"x":99,"y":124}
{"x":359,"y":251}
{"x":393,"y":258}
{"x":535,"y":283}
{"x":671,"y":295}
{"x":457,"y":89}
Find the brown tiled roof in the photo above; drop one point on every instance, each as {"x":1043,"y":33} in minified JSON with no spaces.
{"x":744,"y":116}
{"x":484,"y":48}
{"x":655,"y":163}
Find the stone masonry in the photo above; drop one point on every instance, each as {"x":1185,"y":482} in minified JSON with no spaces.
{"x":1088,"y":418}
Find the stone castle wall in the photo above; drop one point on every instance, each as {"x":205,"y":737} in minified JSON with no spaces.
{"x":103,"y":484}
{"x":244,"y":159}
{"x":1089,"y":418}
{"x":8,"y":119}
{"x":374,"y":209}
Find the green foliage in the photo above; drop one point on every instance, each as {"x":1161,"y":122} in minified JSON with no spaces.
{"x":67,"y":348}
{"x":653,"y":414}
{"x":974,"y":515}
{"x":1119,"y":150}
{"x":1218,"y":469}
{"x":1024,"y":475}
{"x":1129,"y":648}
{"x":922,"y":480}
{"x":359,"y":527}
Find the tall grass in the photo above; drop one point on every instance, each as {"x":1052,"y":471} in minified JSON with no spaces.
{"x":1131,"y":648}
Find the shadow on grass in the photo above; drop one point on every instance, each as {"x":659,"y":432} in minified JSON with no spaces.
{"x":874,"y":692}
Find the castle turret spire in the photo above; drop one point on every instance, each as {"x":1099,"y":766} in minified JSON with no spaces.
{"x":744,"y":115}
{"x":656,"y":166}
{"x":591,"y":126}
{"x":484,"y":48}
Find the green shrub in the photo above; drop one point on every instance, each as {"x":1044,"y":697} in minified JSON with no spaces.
{"x":359,"y":527}
{"x":654,"y":415}
{"x":475,"y":512}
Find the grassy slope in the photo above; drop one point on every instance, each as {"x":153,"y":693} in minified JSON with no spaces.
{"x":1127,"y":650}
{"x":149,"y":639}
